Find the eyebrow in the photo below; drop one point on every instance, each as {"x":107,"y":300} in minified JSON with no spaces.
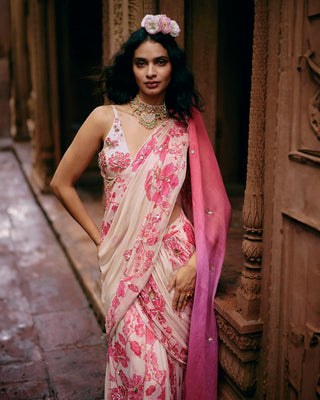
{"x":155,"y":59}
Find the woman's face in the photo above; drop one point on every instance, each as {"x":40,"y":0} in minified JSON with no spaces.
{"x":152,"y":71}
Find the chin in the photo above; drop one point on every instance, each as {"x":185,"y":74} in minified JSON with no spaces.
{"x":154,"y":92}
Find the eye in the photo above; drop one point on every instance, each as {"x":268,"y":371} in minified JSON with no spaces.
{"x":139,"y":63}
{"x":162,"y":61}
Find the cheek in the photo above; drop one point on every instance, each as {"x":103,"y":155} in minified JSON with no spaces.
{"x":137,"y":74}
{"x":168,"y":74}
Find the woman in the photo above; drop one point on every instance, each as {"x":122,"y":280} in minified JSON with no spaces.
{"x":151,"y":274}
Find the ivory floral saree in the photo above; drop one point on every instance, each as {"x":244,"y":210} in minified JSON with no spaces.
{"x":138,"y":256}
{"x":139,"y":253}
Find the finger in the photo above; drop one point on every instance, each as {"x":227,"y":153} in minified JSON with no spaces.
{"x":181,"y":301}
{"x":184,"y":305}
{"x":175,"y":300}
{"x":171,"y":284}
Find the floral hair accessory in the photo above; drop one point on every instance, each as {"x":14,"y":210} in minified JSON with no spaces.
{"x":160,"y":23}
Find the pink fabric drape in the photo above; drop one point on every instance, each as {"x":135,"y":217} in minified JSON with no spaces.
{"x":211,"y":216}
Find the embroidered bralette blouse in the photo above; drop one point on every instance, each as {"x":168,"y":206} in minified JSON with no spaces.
{"x":114,"y":156}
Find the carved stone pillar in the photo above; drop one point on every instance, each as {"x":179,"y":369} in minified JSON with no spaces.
{"x":120,"y":18}
{"x":43,"y":100}
{"x":20,"y":76}
{"x":248,"y":294}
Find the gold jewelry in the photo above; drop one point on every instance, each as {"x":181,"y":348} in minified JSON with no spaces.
{"x":148,"y":114}
{"x":189,"y":296}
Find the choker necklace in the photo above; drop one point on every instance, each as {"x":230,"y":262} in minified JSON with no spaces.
{"x":148,"y":114}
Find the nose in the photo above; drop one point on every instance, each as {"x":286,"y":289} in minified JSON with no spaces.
{"x":150,"y":71}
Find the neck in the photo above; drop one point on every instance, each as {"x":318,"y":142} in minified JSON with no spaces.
{"x":152,"y":100}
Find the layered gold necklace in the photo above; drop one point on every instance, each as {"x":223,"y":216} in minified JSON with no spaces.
{"x":147,"y":114}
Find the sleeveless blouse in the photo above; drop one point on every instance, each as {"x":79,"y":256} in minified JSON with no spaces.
{"x":114,"y":156}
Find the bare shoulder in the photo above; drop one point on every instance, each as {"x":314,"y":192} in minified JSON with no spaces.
{"x":102,"y":116}
{"x":124,"y":108}
{"x":98,"y":123}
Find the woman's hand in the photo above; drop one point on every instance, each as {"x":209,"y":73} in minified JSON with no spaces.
{"x":184,"y":282}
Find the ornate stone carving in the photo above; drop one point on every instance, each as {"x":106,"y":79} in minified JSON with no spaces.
{"x":306,"y":90}
{"x":250,"y":285}
{"x":252,"y":249}
{"x":314,"y":103}
{"x":253,"y":208}
{"x":248,"y":295}
{"x":243,"y":342}
{"x":242,"y":374}
{"x":314,"y":114}
{"x":121,"y":18}
{"x":150,"y":7}
{"x":135,"y":14}
{"x":137,"y":9}
{"x":118,"y":23}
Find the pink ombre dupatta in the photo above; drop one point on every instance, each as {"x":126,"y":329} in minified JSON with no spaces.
{"x":211,"y":216}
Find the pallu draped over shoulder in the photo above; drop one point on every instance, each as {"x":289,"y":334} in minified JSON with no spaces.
{"x":140,"y":252}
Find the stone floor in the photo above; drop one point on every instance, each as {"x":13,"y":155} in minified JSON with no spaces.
{"x":51,"y":345}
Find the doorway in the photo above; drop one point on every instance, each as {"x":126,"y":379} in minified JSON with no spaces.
{"x":234,"y":57}
{"x":79,"y":48}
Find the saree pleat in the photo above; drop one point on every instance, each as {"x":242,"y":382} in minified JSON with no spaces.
{"x":139,"y":364}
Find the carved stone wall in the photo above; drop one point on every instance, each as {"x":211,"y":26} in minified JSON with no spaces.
{"x":120,"y":19}
{"x":290,"y":360}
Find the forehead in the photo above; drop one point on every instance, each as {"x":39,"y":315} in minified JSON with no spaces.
{"x":150,"y":50}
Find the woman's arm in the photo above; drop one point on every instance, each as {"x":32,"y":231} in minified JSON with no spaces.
{"x":85,"y":145}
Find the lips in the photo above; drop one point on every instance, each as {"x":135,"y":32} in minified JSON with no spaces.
{"x":152,"y":84}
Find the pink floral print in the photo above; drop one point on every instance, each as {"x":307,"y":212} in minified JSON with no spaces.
{"x":146,"y":354}
{"x":111,"y":143}
{"x":148,"y":377}
{"x":104,"y":229}
{"x":159,"y":182}
{"x":119,"y":161}
{"x":143,"y":154}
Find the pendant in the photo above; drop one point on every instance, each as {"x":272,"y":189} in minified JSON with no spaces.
{"x":147,"y":120}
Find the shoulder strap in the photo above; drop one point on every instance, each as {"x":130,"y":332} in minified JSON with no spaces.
{"x":115,"y":111}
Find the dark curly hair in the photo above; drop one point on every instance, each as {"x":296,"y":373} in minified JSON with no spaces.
{"x":118,"y":82}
